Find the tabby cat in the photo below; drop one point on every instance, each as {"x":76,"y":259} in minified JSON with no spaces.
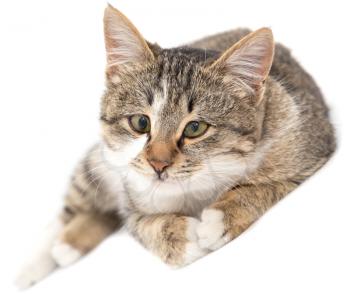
{"x":197,"y":143}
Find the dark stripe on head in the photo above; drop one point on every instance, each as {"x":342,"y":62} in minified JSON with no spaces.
{"x":109,"y":121}
{"x":190,"y":103}
{"x":149,"y":96}
{"x":240,"y":130}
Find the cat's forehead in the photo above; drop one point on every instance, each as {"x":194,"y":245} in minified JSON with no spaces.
{"x":178,"y":74}
{"x":181,"y":73}
{"x":174,"y":85}
{"x":187,"y":55}
{"x":175,"y":76}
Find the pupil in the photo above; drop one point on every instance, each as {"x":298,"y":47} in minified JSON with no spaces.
{"x":195,"y":126}
{"x":142,"y":122}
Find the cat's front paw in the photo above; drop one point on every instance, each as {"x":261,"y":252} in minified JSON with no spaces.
{"x":41,"y":265}
{"x":192,"y":249}
{"x":211,"y":230}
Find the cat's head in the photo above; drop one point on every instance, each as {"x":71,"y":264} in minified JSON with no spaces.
{"x":175,"y":114}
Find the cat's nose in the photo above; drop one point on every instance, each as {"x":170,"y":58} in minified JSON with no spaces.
{"x":160,"y":155}
{"x":159,"y":165}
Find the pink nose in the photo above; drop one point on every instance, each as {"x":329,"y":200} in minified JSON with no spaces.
{"x":159,"y":166}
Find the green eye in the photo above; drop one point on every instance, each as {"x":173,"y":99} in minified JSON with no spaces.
{"x":140,"y":123}
{"x":195,"y":129}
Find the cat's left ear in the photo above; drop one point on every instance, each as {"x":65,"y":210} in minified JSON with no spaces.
{"x":124,"y":44}
{"x":248,"y":62}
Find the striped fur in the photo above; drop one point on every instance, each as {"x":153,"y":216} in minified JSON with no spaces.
{"x":269,"y":131}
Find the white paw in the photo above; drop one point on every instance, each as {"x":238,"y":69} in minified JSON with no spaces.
{"x":64,"y":254}
{"x":41,"y":263}
{"x":191,"y":233}
{"x":211,"y":230}
{"x":193,"y":251}
{"x":36,"y":270}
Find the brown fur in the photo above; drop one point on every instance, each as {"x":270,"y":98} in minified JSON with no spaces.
{"x":285,"y":112}
{"x":86,"y":230}
{"x":283,"y":168}
{"x":245,"y":204}
{"x":163,"y":234}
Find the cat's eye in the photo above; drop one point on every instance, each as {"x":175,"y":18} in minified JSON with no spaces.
{"x":140,"y":123}
{"x":195,"y":129}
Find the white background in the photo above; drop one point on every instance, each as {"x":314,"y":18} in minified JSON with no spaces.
{"x":51,"y":79}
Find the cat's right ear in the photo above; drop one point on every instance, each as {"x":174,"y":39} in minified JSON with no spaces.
{"x":124,"y":44}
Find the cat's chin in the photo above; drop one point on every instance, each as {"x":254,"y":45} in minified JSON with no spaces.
{"x":171,"y":195}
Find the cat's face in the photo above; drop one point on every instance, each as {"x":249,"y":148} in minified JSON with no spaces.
{"x":172,"y":115}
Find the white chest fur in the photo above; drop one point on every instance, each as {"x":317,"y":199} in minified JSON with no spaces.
{"x":188,"y":196}
{"x":152,"y":196}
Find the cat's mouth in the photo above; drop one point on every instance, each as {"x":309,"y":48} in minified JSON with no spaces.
{"x":167,"y":176}
{"x":161,"y":177}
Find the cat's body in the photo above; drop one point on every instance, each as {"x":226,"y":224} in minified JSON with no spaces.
{"x":213,"y":189}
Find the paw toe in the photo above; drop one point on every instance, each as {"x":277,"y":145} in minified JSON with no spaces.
{"x":35,"y":271}
{"x":192,"y":225}
{"x":211,"y":230}
{"x":193,"y":252}
{"x":64,"y":254}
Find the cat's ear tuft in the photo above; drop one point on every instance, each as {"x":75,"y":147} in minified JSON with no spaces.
{"x":248,"y":62}
{"x":124,"y":44}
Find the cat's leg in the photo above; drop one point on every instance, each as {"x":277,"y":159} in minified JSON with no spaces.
{"x":173,"y":238}
{"x":65,"y":242}
{"x":82,"y":234}
{"x":236,"y":210}
{"x":78,"y":228}
{"x":40,"y":263}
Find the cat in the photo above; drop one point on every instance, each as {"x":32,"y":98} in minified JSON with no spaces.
{"x":197,"y":143}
